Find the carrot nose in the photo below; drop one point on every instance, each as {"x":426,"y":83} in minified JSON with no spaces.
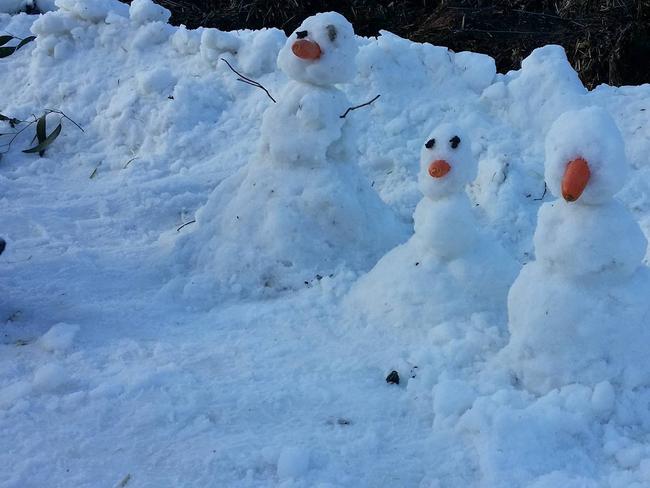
{"x":575,"y":179}
{"x":306,"y":49}
{"x":439,"y":168}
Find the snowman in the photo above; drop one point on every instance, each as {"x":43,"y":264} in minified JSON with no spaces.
{"x":301,"y":209}
{"x":448,"y":268}
{"x":580,"y":311}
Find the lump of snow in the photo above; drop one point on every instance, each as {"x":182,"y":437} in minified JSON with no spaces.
{"x":186,"y":41}
{"x":603,"y":398}
{"x":92,"y":10}
{"x":52,"y":24}
{"x":144,"y":11}
{"x":50,"y":377}
{"x":159,"y":80}
{"x":59,"y":337}
{"x":478,"y":70}
{"x":9,"y":395}
{"x":293,"y":462}
{"x":259,"y":56}
{"x":532,"y":98}
{"x":452,"y":397}
{"x":215,"y":42}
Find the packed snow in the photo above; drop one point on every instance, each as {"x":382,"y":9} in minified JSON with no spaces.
{"x":205,"y":287}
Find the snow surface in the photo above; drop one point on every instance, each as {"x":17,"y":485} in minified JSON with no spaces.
{"x":117,"y":368}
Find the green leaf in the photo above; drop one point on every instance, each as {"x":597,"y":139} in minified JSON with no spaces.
{"x":25,"y":41}
{"x":5,"y":39}
{"x":6,"y":51}
{"x":48,"y":140}
{"x":41,"y":133}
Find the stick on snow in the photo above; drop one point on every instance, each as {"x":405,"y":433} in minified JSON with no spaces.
{"x":248,"y":81}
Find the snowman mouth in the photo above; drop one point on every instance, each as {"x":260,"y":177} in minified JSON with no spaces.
{"x":439,"y":168}
{"x":575,"y":179}
{"x":306,"y":49}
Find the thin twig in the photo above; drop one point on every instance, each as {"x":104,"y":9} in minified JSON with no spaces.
{"x":130,"y":161}
{"x":358,"y":106}
{"x":54,"y":111}
{"x":16,"y":134}
{"x":248,"y":81}
{"x":185,"y":224}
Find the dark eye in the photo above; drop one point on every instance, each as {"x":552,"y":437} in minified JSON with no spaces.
{"x":454,"y":141}
{"x":430,"y":143}
{"x":331,"y":32}
{"x":301,"y":34}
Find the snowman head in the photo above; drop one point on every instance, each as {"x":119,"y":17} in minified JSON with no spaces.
{"x":446,"y":163}
{"x":585,"y":157}
{"x":321,"y":51}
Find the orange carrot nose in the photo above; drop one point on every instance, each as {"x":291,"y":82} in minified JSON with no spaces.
{"x":306,"y":49}
{"x":439,"y":168}
{"x":575,"y":179}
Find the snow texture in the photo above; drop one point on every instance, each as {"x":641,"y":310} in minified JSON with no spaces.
{"x":127,"y":353}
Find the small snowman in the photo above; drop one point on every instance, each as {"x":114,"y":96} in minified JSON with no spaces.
{"x":301,"y":209}
{"x":448,"y":268}
{"x":580,"y":311}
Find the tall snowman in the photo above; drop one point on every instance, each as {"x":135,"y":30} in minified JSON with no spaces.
{"x":448,"y":268}
{"x":301,"y":209}
{"x":581,"y":311}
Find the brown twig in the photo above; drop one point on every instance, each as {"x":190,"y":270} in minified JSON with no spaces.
{"x":248,"y":81}
{"x":359,"y":106}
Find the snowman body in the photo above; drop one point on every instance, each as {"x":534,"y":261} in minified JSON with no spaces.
{"x":580,"y":312}
{"x":448,"y":269}
{"x":301,"y":209}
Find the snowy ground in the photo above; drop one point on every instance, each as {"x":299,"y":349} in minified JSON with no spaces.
{"x":109,"y":375}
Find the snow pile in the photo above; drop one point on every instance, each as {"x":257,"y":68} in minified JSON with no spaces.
{"x":448,"y":262}
{"x":301,"y":209}
{"x":578,"y":313}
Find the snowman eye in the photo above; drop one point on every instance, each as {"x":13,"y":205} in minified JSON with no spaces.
{"x":331,"y":32}
{"x":430,"y":143}
{"x":301,"y":34}
{"x":454,"y":142}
